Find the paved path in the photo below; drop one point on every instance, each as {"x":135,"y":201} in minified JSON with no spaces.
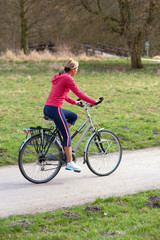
{"x":151,"y":59}
{"x":139,"y":170}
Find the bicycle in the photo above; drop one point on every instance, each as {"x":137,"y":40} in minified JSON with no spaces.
{"x":41,"y":155}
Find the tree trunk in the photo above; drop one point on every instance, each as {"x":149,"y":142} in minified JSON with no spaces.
{"x":135,"y":52}
{"x":24,"y":40}
{"x":24,"y":28}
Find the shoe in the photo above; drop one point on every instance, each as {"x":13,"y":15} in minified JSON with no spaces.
{"x":73,"y":166}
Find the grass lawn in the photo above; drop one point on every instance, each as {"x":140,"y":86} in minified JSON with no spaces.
{"x":131,"y":217}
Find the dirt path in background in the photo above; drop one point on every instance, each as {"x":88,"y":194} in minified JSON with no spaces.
{"x":139,"y":170}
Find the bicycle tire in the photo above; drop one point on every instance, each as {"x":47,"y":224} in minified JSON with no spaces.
{"x":103,"y":152}
{"x":35,"y":166}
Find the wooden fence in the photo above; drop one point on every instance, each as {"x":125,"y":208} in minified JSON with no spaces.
{"x":88,"y":49}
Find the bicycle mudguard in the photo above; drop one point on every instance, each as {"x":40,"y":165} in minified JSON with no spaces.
{"x":20,"y":148}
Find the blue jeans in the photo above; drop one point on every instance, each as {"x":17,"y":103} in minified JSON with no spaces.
{"x":61,"y":117}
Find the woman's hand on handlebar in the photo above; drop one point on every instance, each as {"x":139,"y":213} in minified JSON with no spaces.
{"x":79,"y":103}
{"x":98,"y":101}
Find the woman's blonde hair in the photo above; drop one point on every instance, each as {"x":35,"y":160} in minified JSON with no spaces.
{"x":70,"y":64}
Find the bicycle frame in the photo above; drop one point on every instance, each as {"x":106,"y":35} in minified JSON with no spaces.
{"x":88,"y":127}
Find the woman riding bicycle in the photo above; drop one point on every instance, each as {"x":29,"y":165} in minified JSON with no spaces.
{"x":62,"y":83}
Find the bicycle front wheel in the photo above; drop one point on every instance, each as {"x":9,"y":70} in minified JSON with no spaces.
{"x":103,"y":152}
{"x":37,"y":162}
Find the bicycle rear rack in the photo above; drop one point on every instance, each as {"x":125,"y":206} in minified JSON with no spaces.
{"x":34,"y":130}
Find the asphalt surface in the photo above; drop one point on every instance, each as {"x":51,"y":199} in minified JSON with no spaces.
{"x":138,"y":171}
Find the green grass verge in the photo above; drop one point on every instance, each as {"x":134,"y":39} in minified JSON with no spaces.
{"x":130,"y":109}
{"x":127,"y":217}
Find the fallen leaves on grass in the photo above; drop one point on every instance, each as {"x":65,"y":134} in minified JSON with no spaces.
{"x":72,"y":215}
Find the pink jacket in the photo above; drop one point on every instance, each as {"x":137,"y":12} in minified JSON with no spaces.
{"x":61,"y":85}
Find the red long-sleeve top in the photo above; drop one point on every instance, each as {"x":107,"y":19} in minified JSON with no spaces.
{"x":61,"y":85}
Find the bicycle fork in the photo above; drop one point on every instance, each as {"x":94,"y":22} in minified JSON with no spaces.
{"x":97,"y":141}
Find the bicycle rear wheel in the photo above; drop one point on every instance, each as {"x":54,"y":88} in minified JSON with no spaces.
{"x":103,"y":152}
{"x":37,"y":164}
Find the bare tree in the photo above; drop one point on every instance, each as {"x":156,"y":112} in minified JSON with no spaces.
{"x":24,"y":15}
{"x":129,"y":18}
{"x":33,"y":12}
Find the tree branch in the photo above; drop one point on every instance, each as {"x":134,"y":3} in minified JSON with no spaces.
{"x":113,"y":23}
{"x":29,"y":6}
{"x":99,"y":6}
{"x":154,"y":5}
{"x":37,"y":21}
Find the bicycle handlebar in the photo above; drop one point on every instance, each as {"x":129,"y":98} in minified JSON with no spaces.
{"x":98,"y":101}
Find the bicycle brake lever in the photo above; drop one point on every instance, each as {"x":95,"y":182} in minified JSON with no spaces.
{"x":80,"y":103}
